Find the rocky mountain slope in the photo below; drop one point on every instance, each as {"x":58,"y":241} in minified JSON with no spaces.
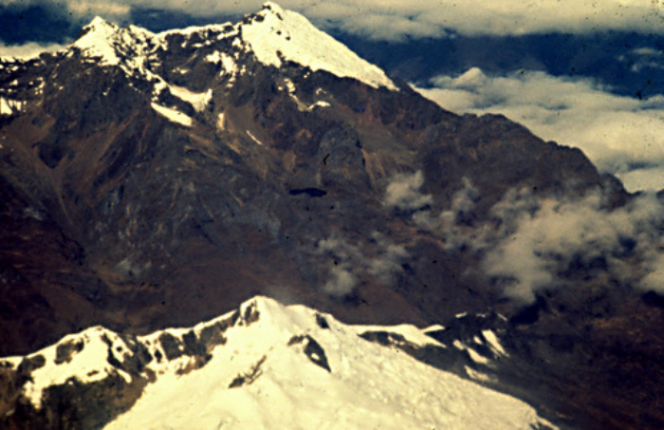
{"x":157,"y":180}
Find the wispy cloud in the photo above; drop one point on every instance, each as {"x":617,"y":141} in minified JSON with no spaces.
{"x":27,"y":50}
{"x":107,"y":9}
{"x":388,"y":259}
{"x":343,"y":259}
{"x":396,"y":19}
{"x":403,"y":192}
{"x":643,"y":58}
{"x":533,"y":247}
{"x":437,"y":18}
{"x":531,"y":243}
{"x":347,"y":264}
{"x":450,"y":222}
{"x":621,"y":135}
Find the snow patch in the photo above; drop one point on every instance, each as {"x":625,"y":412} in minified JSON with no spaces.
{"x":254,"y":138}
{"x":320,"y":103}
{"x":221,"y":124}
{"x":106,"y":40}
{"x":478,"y":376}
{"x":224,"y":30}
{"x":290,"y":86}
{"x":474,"y":355}
{"x":493,"y":341}
{"x":228,"y":64}
{"x":199,"y":101}
{"x":433,"y":328}
{"x":173,"y":115}
{"x":413,"y":334}
{"x":10,"y":107}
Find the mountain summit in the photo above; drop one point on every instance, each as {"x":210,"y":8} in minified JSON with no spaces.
{"x":159,"y":180}
{"x":114,"y":45}
{"x":274,"y":35}
{"x":278,"y":35}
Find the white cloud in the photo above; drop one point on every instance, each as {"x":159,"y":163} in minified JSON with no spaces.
{"x":107,"y":9}
{"x":341,"y":279}
{"x":532,"y":243}
{"x":403,"y":192}
{"x":390,"y":19}
{"x":654,"y":280}
{"x":387,"y":263}
{"x":341,"y":282}
{"x":463,"y":202}
{"x":620,"y":135}
{"x":27,"y":50}
{"x":347,"y":263}
{"x":395,"y":19}
{"x":643,"y":58}
{"x":449,"y":222}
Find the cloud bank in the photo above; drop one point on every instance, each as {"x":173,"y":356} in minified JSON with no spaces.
{"x":397,"y":19}
{"x":621,"y":135}
{"x":534,"y":247}
{"x":531,"y":243}
{"x":27,"y":50}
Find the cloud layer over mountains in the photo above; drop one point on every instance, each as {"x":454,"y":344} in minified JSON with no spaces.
{"x":394,"y":20}
{"x":621,"y":135}
{"x":347,"y":264}
{"x":28,"y":49}
{"x":530,"y":242}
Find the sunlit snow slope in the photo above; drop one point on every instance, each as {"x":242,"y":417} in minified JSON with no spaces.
{"x":282,"y":34}
{"x":293,"y":368}
{"x":263,"y":366}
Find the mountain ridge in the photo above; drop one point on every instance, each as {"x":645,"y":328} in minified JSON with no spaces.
{"x":163,"y":362}
{"x":167,"y":193}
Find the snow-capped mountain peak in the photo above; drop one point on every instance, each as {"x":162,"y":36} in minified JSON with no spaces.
{"x":100,"y":25}
{"x":115,"y":45}
{"x":264,"y":366}
{"x":273,"y":34}
{"x":278,"y":35}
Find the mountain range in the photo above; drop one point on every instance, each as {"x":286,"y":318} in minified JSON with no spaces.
{"x":158,"y":180}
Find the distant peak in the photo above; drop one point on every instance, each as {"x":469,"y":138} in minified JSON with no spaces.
{"x":98,"y":28}
{"x":276,"y":34}
{"x":98,"y":21}
{"x":110,"y":42}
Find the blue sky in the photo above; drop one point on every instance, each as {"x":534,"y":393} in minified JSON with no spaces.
{"x":583,"y":73}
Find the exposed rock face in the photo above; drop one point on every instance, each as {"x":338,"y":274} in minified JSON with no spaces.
{"x":158,"y":180}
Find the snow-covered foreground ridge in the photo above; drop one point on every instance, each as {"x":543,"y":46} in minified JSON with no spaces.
{"x":269,"y":366}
